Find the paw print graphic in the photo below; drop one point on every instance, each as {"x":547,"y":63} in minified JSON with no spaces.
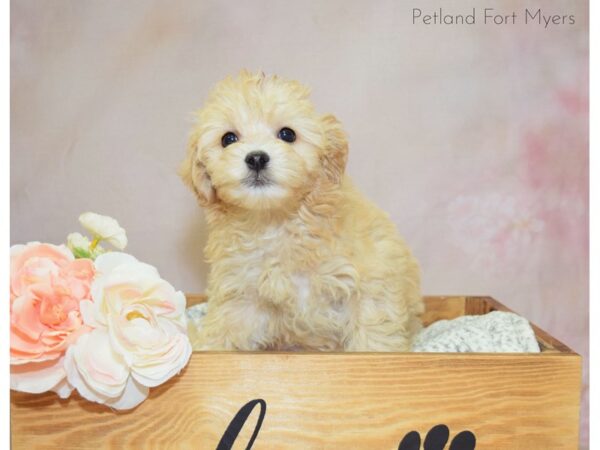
{"x":437,"y":438}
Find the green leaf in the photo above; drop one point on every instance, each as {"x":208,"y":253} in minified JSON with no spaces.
{"x":79,"y":253}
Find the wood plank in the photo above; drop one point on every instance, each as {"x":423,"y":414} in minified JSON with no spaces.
{"x":442,"y":308}
{"x":329,"y":401}
{"x":194,"y":299}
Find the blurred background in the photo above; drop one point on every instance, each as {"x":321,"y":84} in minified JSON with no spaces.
{"x":474,"y":138}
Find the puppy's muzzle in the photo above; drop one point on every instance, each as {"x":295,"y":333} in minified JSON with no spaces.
{"x":257,"y":160}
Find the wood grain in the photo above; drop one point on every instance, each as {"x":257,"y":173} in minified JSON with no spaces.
{"x":327,"y":401}
{"x":443,"y":308}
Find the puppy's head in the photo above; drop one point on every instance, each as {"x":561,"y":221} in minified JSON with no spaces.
{"x":259,"y":144}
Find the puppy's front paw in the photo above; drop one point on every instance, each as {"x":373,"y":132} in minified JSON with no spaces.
{"x":275,"y":286}
{"x":203,"y":341}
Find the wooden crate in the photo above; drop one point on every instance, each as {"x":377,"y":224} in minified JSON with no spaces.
{"x":331,"y":400}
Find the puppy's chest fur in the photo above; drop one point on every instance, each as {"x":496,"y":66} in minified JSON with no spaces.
{"x":299,"y":285}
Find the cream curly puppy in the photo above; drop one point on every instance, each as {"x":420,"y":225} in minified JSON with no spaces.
{"x":299,"y":258}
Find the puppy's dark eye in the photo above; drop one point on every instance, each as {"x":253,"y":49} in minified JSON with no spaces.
{"x":228,"y":139}
{"x":287,"y":134}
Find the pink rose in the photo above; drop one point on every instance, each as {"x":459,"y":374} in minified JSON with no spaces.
{"x":46,"y":286}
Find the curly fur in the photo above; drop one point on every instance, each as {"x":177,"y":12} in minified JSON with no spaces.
{"x":305,"y":262}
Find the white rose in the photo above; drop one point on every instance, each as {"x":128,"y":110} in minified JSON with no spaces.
{"x":81,"y":246}
{"x":139,"y":340}
{"x":77,"y":240}
{"x":104,"y":228}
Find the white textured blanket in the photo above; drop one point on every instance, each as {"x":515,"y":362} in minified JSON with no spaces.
{"x":493,"y":332}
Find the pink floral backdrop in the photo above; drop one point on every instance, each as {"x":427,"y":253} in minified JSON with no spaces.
{"x":474,"y":138}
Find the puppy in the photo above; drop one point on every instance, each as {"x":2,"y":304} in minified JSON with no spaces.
{"x":299,"y":258}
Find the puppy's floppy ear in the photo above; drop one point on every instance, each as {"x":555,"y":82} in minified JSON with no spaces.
{"x":193,"y":173}
{"x":336,"y":149}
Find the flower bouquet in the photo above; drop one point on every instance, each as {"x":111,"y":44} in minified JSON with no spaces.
{"x":97,"y":321}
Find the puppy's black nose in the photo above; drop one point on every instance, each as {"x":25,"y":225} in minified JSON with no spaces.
{"x":257,"y":160}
